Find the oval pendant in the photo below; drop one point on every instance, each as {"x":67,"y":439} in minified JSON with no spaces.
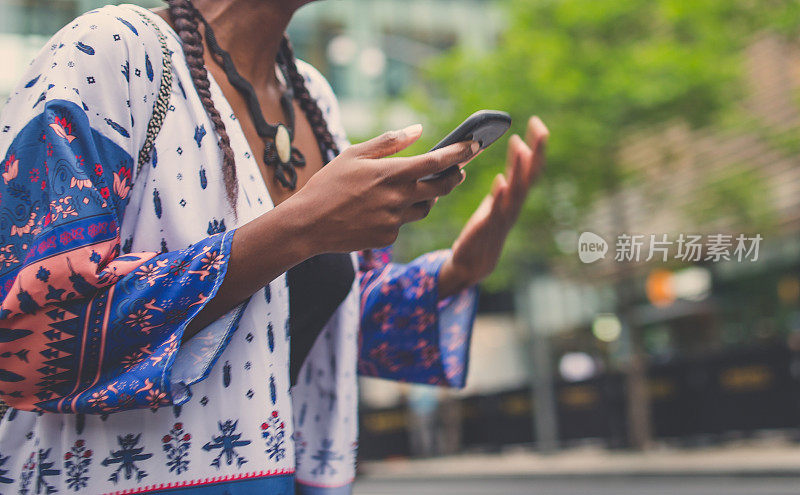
{"x":283,"y":143}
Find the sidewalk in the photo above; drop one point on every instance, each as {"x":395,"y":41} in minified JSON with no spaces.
{"x":744,"y":459}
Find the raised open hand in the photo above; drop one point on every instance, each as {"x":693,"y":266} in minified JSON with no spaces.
{"x":476,"y":251}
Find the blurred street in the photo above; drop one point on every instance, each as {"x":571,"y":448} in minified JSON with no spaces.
{"x":666,"y":485}
{"x":745,"y":467}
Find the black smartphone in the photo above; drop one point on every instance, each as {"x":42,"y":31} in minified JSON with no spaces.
{"x":483,"y":126}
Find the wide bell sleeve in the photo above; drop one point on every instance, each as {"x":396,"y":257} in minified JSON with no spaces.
{"x":82,"y":327}
{"x":407,"y":334}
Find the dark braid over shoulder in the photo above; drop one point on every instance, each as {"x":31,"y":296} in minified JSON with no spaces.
{"x":308,"y":104}
{"x":186,"y":22}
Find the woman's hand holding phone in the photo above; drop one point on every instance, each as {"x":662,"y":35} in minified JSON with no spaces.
{"x":362,"y":198}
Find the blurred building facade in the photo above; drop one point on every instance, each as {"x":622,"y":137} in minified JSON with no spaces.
{"x":711,"y":331}
{"x":373,"y":50}
{"x":741,"y":178}
{"x":370,"y":50}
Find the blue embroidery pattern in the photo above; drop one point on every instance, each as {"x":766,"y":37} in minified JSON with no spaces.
{"x":73,"y":292}
{"x":127,"y":457}
{"x":44,"y":469}
{"x":199,"y":134}
{"x":216,"y":226}
{"x":203,"y":179}
{"x":325,"y":457}
{"x":88,"y":50}
{"x":300,"y":446}
{"x":3,"y":472}
{"x":227,"y":443}
{"x":226,"y":374}
{"x":157,"y":203}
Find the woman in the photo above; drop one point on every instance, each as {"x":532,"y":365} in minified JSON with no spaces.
{"x":167,"y":225}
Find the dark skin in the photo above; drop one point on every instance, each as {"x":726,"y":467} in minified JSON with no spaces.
{"x":365,"y":182}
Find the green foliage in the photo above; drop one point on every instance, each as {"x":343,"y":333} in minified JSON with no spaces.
{"x":737,"y":195}
{"x":594,"y":71}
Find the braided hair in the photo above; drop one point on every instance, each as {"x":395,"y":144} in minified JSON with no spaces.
{"x":186,"y":20}
{"x":307,"y":103}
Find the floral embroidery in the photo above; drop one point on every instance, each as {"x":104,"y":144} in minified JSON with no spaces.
{"x":273,"y":432}
{"x":98,"y":399}
{"x":121,"y":182}
{"x":62,"y":128}
{"x":76,"y":465}
{"x":11,"y":168}
{"x":28,"y":471}
{"x":38,"y":469}
{"x":176,"y":444}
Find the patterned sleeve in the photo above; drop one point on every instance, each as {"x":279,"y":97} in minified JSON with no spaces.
{"x":407,"y":334}
{"x":85,"y":329}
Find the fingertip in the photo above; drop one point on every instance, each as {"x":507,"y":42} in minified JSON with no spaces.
{"x":413,"y":131}
{"x":536,"y":123}
{"x":537,"y":131}
{"x":526,"y":155}
{"x":504,"y":184}
{"x":519,"y":157}
{"x":531,"y":171}
{"x":498,"y":183}
{"x":515,"y":143}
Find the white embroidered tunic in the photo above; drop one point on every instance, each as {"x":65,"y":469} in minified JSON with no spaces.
{"x":103,"y":266}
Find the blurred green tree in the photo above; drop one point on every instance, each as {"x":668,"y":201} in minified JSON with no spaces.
{"x":595,"y":71}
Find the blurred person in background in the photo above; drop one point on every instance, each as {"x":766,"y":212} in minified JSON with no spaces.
{"x":423,"y":403}
{"x":178,"y":200}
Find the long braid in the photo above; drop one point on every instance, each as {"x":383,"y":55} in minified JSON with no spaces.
{"x":184,"y":16}
{"x":308,"y":104}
